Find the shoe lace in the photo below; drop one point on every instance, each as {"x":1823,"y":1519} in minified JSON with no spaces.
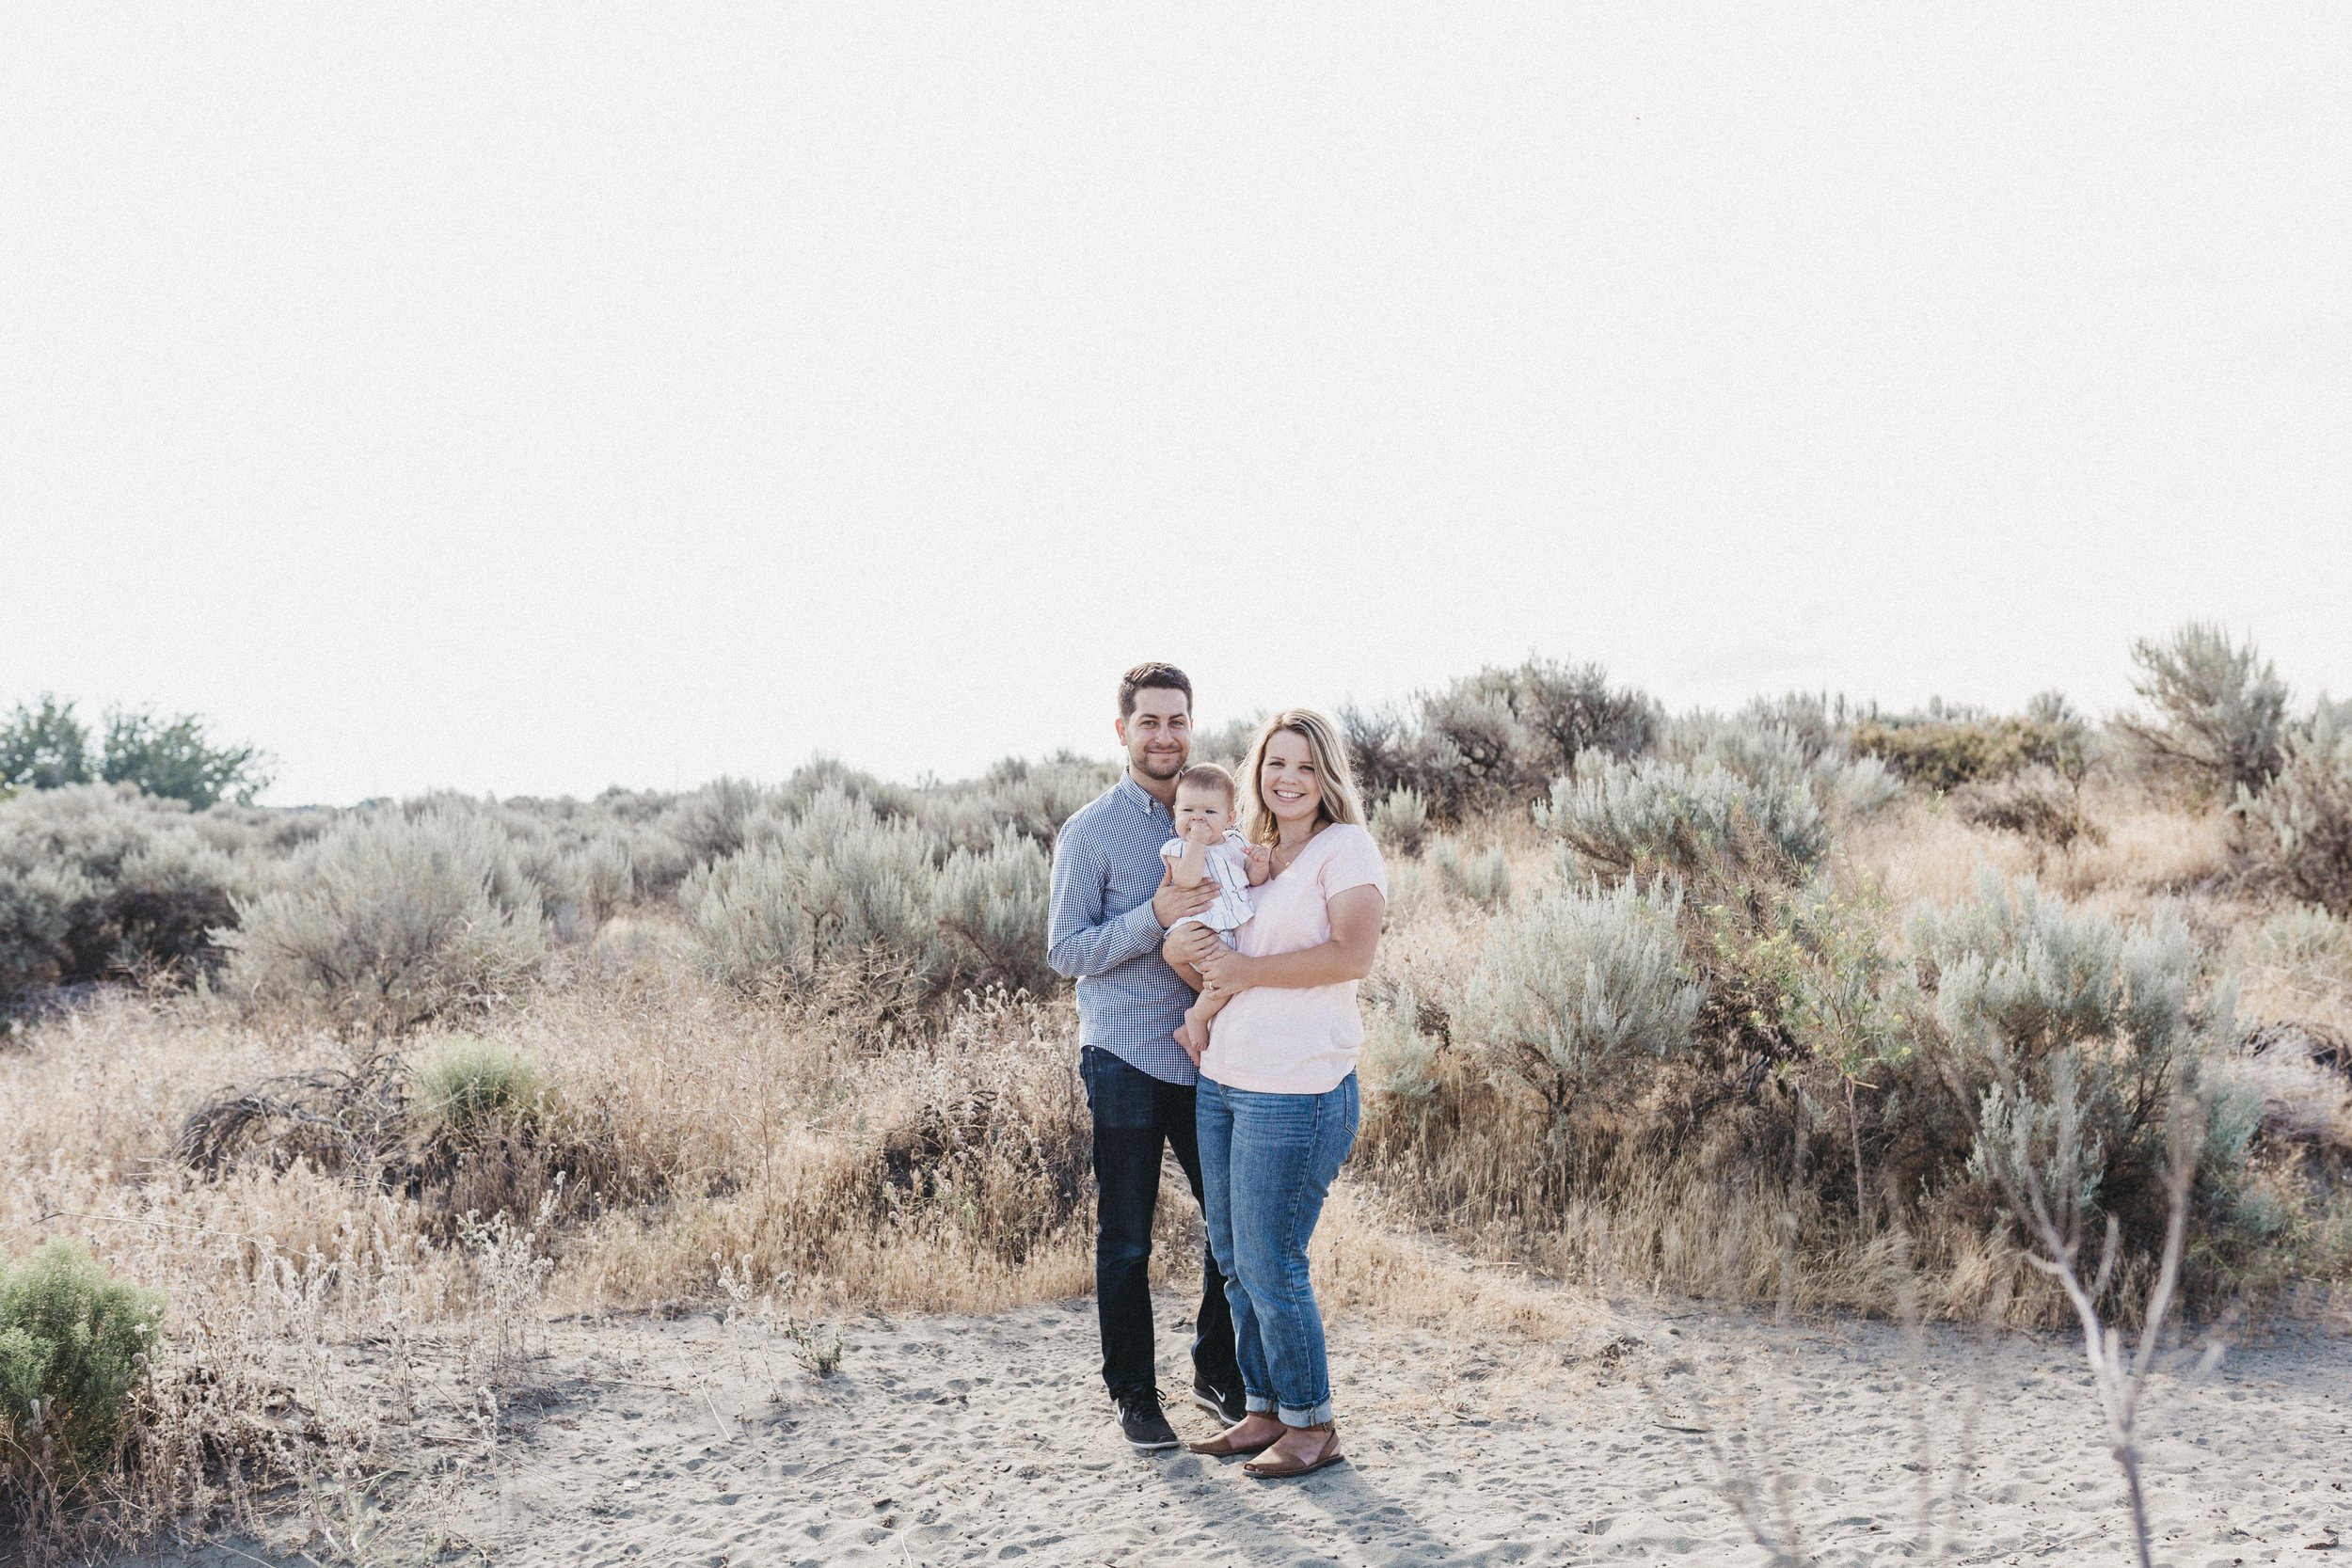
{"x":1142,"y":1401}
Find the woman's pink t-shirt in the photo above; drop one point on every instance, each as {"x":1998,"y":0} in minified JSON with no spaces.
{"x":1303,"y":1040}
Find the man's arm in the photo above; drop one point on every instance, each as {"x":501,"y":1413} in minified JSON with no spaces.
{"x":1079,"y":941}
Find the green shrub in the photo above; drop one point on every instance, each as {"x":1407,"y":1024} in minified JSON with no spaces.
{"x":2297,"y":834}
{"x":471,"y":1084}
{"x":2220,"y":711}
{"x":97,"y":881}
{"x":1948,"y":753}
{"x":74,"y":1347}
{"x":1482,"y":877}
{"x":1619,"y":818}
{"x":389,"y":919}
{"x":1577,"y":989}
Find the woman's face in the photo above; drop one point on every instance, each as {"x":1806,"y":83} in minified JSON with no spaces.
{"x":1287,"y":778}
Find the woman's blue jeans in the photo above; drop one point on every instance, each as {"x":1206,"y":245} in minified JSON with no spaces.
{"x":1267,"y":1160}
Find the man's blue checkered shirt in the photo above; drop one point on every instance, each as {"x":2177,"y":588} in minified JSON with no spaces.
{"x":1102,"y":932}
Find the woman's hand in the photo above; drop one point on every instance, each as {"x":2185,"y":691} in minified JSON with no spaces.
{"x":1222,"y":969}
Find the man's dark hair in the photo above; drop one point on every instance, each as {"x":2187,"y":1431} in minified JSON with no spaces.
{"x":1164,"y":677}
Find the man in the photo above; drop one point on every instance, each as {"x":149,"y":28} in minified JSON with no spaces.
{"x":1112,"y":902}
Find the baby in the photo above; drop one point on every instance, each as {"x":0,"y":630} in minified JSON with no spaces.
{"x":1206,"y":845}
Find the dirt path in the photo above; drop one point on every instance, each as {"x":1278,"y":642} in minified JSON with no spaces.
{"x":985,"y":1440}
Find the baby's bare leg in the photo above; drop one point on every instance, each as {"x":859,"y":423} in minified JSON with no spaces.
{"x":1194,"y":1035}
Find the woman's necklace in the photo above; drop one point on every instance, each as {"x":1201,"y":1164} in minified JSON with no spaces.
{"x":1282,"y":861}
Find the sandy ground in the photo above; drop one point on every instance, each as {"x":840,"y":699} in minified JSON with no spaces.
{"x":986,"y":1440}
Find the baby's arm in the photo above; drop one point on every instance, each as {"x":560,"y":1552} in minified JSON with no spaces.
{"x":1257,"y":861}
{"x":1188,"y":870}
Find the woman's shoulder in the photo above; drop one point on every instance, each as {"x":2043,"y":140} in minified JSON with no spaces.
{"x":1350,"y":845}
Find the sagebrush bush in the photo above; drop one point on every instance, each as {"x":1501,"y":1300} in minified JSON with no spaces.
{"x":1481,"y":875}
{"x":1030,"y":798}
{"x":2080,"y":1038}
{"x":2221,"y":709}
{"x":1577,"y":990}
{"x":709,"y":823}
{"x":96,"y":881}
{"x":832,"y":885}
{"x":74,"y":1347}
{"x":1857,"y":788}
{"x":2297,"y":834}
{"x":1401,"y":820}
{"x":1400,"y":1057}
{"x":2035,"y":803}
{"x":470,"y":1083}
{"x":389,"y":919}
{"x":2306,"y":936}
{"x":1618,"y":818}
{"x":990,"y":904}
{"x":1499,"y":737}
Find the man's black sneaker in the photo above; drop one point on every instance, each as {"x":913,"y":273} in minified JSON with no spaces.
{"x":1146,"y":1429}
{"x":1228,"y":1408}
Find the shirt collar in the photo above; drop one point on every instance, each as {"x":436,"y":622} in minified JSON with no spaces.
{"x":1139,"y":796}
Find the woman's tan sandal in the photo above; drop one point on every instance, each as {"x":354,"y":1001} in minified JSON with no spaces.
{"x":1223,"y":1447}
{"x":1278,"y":1468}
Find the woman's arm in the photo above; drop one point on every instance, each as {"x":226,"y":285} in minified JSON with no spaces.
{"x":1355,"y":915}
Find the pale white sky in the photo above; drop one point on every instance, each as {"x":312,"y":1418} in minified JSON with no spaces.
{"x":530,"y":398}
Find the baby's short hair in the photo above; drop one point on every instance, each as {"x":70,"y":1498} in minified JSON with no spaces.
{"x":1209,"y":775}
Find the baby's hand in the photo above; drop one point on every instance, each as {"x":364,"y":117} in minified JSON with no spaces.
{"x":1259,"y":861}
{"x":1200,"y":831}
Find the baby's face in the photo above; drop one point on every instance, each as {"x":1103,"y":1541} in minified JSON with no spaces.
{"x":1202,"y":809}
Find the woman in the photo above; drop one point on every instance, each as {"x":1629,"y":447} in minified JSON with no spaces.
{"x":1277,"y":1105}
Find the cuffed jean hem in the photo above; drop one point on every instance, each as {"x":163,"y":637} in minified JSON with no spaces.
{"x":1258,"y":1404}
{"x":1322,"y":1415}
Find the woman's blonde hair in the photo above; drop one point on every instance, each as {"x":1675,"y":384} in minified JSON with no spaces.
{"x":1329,"y":751}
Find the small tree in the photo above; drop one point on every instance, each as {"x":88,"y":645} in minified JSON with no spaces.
{"x":44,"y":748}
{"x":2221,"y":709}
{"x":175,"y":758}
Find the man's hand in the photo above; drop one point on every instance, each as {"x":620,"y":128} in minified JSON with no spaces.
{"x":1190,"y":944}
{"x":1173,"y":903}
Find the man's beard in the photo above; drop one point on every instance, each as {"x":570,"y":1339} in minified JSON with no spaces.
{"x":1161,"y":766}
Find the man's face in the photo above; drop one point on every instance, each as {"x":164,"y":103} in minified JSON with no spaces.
{"x":1158,"y":735}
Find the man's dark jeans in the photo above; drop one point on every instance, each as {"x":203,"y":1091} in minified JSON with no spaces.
{"x":1135,"y":1113}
